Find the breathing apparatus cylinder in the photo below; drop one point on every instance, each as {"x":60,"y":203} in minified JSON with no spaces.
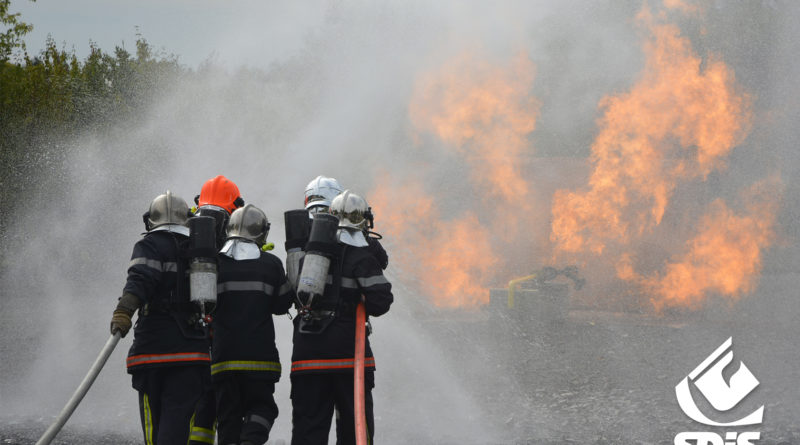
{"x":298,"y":227}
{"x":320,"y":249}
{"x":202,"y":261}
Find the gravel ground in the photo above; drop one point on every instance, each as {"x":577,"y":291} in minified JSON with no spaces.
{"x":611,"y":380}
{"x":582,"y":380}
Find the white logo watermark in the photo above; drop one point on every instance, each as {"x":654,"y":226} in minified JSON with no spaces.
{"x":722,"y":396}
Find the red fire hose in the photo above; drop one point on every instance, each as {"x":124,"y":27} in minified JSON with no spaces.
{"x":358,"y":376}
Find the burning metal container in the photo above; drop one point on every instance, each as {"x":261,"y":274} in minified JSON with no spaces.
{"x":536,"y":298}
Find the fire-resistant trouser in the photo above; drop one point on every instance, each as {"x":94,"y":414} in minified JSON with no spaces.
{"x":167,"y":400}
{"x":246,"y":408}
{"x":204,"y":421}
{"x":314,"y":397}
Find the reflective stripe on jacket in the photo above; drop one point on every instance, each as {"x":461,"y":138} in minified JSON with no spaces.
{"x":178,"y":358}
{"x":245,"y":365}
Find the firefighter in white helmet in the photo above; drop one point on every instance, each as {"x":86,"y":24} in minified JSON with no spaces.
{"x":324,"y":330}
{"x":319,"y":194}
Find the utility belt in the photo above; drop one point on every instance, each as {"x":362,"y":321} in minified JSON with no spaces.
{"x":315,"y":321}
{"x":185,"y":313}
{"x":162,"y":307}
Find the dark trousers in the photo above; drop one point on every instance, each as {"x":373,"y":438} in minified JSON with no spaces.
{"x":314,"y":398}
{"x":204,"y":421}
{"x":167,"y":400}
{"x":246,"y":408}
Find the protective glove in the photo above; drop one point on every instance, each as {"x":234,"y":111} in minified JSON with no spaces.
{"x":121,"y":320}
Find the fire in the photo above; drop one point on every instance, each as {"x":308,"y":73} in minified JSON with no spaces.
{"x":725,"y":255}
{"x":451,"y":258}
{"x":681,"y":5}
{"x":483,"y":114}
{"x":677,"y":123}
{"x":669,"y":132}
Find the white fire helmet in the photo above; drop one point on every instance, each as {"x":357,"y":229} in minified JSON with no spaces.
{"x":351,"y":210}
{"x":320,"y":192}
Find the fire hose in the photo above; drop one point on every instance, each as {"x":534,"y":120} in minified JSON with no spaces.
{"x":358,"y":376}
{"x":83,"y":388}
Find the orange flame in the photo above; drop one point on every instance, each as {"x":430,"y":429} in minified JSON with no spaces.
{"x":724,"y":257}
{"x":681,"y":6}
{"x":483,"y":113}
{"x":452,"y":259}
{"x":677,"y":123}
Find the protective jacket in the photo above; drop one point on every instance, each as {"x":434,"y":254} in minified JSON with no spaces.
{"x":377,"y":250}
{"x":355,"y":272}
{"x":166,"y":332}
{"x":249,"y":292}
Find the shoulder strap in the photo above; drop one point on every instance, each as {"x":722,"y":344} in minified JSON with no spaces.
{"x":181,"y":294}
{"x":337,"y":278}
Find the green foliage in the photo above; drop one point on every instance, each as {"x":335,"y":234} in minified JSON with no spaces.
{"x":11,"y":39}
{"x":50,"y":99}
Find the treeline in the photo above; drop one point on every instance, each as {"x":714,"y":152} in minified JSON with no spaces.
{"x":48,"y":99}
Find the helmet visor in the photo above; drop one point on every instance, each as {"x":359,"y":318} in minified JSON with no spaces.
{"x":316,"y":200}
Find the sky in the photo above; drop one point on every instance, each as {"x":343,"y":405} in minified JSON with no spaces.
{"x":193,"y":30}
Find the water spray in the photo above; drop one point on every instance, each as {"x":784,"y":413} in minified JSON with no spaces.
{"x":83,"y":388}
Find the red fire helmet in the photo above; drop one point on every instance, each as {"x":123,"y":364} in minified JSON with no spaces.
{"x":221,"y":192}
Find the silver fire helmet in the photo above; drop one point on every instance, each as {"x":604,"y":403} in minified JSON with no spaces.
{"x":249,"y":222}
{"x":351,"y":210}
{"x":321,"y":191}
{"x":166,"y":209}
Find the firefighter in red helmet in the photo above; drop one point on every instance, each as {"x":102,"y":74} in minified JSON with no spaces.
{"x":218,"y":198}
{"x":221,"y":192}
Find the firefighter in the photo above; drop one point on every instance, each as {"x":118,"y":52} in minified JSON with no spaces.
{"x":318,"y":196}
{"x":251,"y":288}
{"x":324,"y":330}
{"x":169,"y":358}
{"x":218,"y":197}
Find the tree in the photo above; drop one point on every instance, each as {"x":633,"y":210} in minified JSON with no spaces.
{"x":11,"y":39}
{"x":50,"y":99}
